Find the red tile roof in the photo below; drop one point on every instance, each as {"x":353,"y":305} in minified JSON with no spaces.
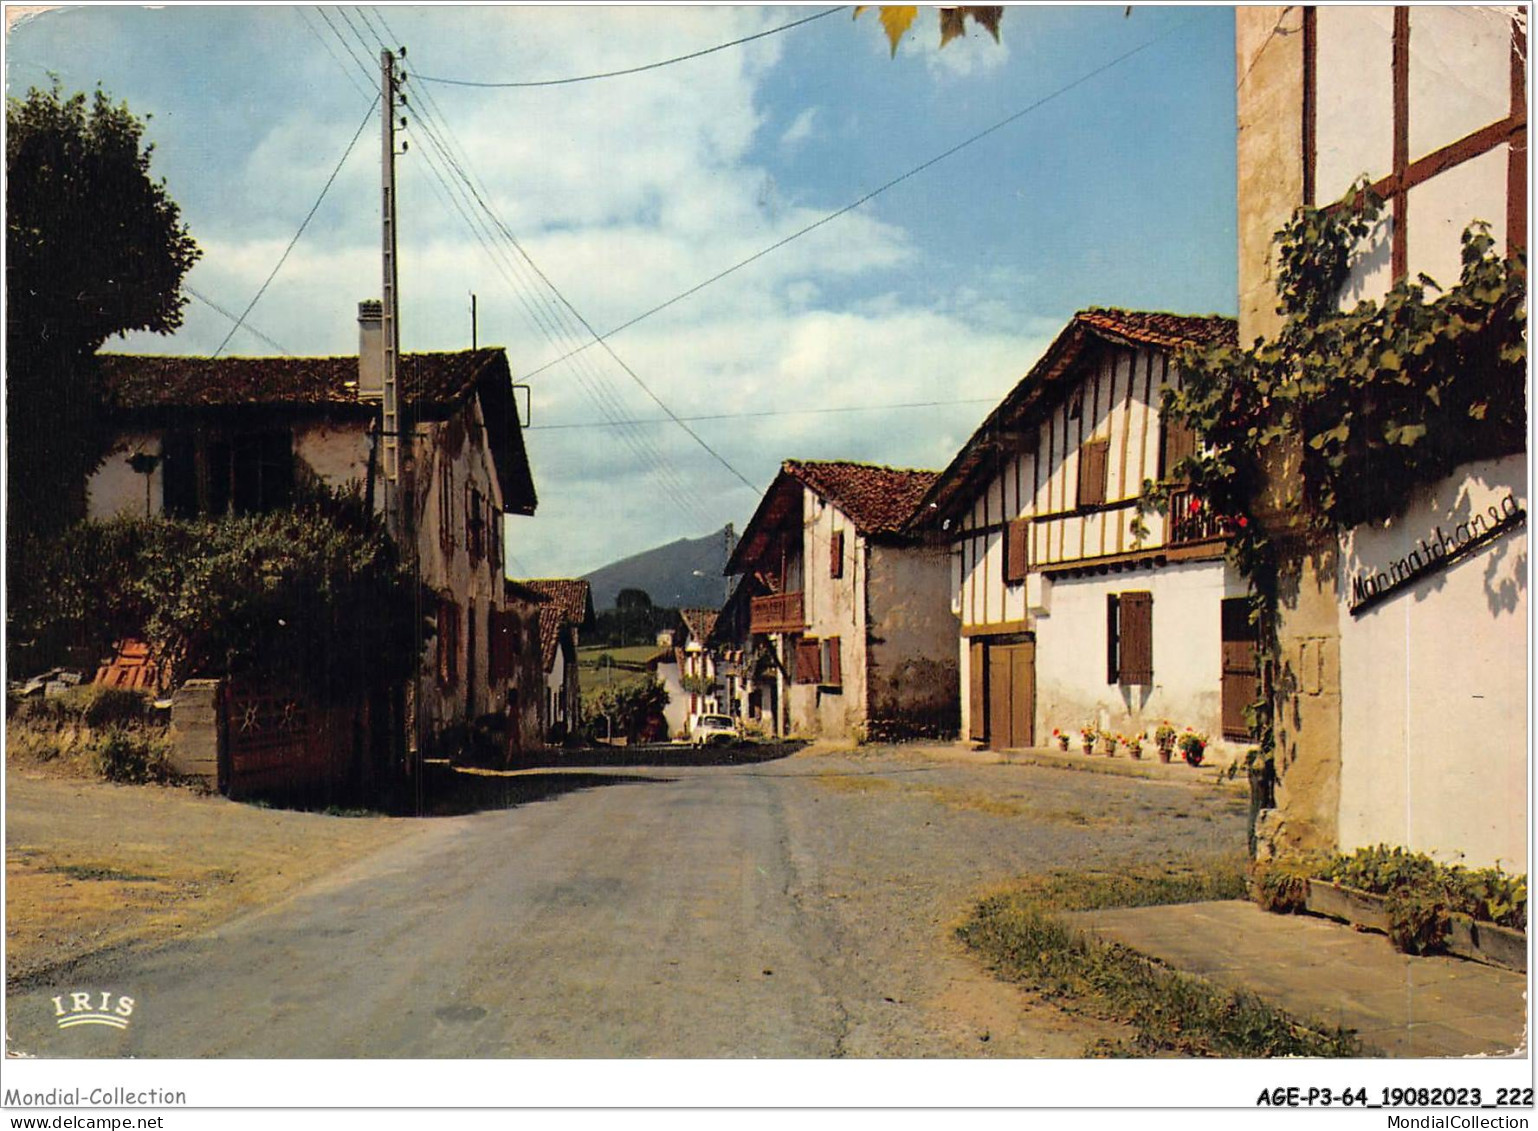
{"x":144,"y":381}
{"x":878,"y":500}
{"x":551,"y":622}
{"x":699,"y":622}
{"x":955,"y":488}
{"x":1157,"y":328}
{"x":571,"y":598}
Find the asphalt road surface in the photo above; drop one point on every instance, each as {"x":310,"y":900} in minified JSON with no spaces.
{"x":802,"y":907}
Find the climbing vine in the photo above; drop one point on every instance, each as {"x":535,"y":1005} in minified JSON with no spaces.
{"x":1331,"y":422}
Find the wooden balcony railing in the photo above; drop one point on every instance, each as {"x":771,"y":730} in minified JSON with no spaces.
{"x":782,"y":612}
{"x":1191,"y":520}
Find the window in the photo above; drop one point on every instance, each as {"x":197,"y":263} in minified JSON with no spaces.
{"x":446,"y":504}
{"x":836,"y":554}
{"x":1129,"y":638}
{"x":448,"y":642}
{"x":831,"y":663}
{"x":239,"y":473}
{"x":1092,"y":468}
{"x":809,"y":660}
{"x":1176,"y":443}
{"x":494,"y":538}
{"x":1017,"y":551}
{"x":475,"y":524}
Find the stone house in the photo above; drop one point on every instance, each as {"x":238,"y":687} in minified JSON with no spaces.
{"x":1402,"y":690}
{"x":1069,"y":612}
{"x":851,"y":610}
{"x":200,"y":437}
{"x":567,"y":610}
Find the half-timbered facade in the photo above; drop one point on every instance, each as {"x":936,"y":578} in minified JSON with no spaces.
{"x":1074,"y":607}
{"x":852,"y":610}
{"x":1402,"y":711}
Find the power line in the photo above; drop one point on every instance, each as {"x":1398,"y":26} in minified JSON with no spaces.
{"x":873,"y":193}
{"x":594,"y":383}
{"x":305,"y":223}
{"x":250,"y":329}
{"x":780,"y":412}
{"x":631,"y":70}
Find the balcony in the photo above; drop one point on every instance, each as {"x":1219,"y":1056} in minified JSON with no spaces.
{"x":782,"y":612}
{"x":1191,"y":520}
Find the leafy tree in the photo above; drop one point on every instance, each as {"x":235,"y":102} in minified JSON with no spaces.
{"x":635,"y":708}
{"x":94,"y":247}
{"x":896,"y":19}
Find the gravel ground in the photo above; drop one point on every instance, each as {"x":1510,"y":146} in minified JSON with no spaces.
{"x":802,"y":907}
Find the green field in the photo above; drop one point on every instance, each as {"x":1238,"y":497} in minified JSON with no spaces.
{"x":629,"y":667}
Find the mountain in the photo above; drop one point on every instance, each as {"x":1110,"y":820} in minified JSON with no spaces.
{"x":682,"y":574}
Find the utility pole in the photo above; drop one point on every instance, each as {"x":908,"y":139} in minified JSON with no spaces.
{"x":389,"y":92}
{"x":473,"y":320}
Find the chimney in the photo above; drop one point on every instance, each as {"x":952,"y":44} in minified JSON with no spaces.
{"x":371,"y":349}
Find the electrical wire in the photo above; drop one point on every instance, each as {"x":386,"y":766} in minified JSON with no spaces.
{"x":305,"y":223}
{"x":781,"y":412}
{"x":592,"y":381}
{"x":250,"y":329}
{"x":875,"y":192}
{"x":631,"y":70}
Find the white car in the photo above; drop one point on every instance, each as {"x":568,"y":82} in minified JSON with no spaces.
{"x":712,"y":730}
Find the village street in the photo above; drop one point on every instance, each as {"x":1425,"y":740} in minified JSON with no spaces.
{"x":797,"y":907}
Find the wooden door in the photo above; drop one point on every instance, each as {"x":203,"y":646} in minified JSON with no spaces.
{"x":977,"y":720}
{"x":1011,"y":695}
{"x":1241,"y":667}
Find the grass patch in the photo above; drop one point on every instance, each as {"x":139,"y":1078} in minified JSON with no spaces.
{"x":99,"y":872}
{"x":853,"y":783}
{"x":1170,"y":1012}
{"x":93,"y":732}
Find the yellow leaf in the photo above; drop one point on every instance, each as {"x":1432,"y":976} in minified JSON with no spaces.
{"x":897,"y":19}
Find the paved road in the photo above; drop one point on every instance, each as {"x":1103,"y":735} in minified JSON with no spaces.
{"x":793,"y":908}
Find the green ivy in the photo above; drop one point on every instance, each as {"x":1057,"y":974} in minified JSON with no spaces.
{"x":1365,"y":402}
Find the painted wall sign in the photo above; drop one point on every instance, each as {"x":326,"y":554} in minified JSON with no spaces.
{"x":1436,"y":552}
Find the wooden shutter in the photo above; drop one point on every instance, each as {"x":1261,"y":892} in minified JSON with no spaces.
{"x":808,"y":660}
{"x":836,"y":554}
{"x":1178,"y":442}
{"x":833,"y":672}
{"x":1112,"y":638}
{"x":1137,"y":638}
{"x":977,"y":722}
{"x":1092,"y":469}
{"x":1016,"y":554}
{"x":448,"y":642}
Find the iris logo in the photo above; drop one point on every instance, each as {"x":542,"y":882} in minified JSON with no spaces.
{"x":103,"y":1008}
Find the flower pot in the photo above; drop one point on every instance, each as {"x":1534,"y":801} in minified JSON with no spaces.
{"x":1089,"y":748}
{"x":1164,"y":754}
{"x":1108,"y":747}
{"x":1194,"y":757}
{"x":1135,"y":751}
{"x":1062,"y":742}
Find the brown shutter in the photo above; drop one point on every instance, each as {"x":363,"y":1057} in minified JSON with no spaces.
{"x":977,"y":724}
{"x":836,"y":554}
{"x":808,"y":660}
{"x":1016,"y":555}
{"x":1092,"y":468}
{"x":1137,"y":638}
{"x":448,"y":642}
{"x":835,"y":673}
{"x":1178,"y":442}
{"x":1112,"y":638}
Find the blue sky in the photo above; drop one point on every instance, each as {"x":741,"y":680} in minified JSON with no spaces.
{"x":627,"y":191}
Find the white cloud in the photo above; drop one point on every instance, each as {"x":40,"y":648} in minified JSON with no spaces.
{"x":801,"y":129}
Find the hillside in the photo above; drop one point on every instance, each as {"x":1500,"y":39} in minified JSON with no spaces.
{"x":681,"y":574}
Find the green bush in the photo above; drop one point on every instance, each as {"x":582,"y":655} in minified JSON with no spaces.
{"x":1421,"y":894}
{"x":315,"y":594}
{"x":133,"y":755}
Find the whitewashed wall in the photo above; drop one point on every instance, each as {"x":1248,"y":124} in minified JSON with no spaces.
{"x":115,"y":489}
{"x":1434,"y":683}
{"x":1071,"y":685}
{"x":834,"y":606}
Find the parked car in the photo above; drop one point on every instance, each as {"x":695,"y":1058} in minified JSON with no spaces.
{"x":714,"y":730}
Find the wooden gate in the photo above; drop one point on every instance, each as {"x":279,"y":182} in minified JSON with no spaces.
{"x":1241,"y":667}
{"x":1011,"y":695}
